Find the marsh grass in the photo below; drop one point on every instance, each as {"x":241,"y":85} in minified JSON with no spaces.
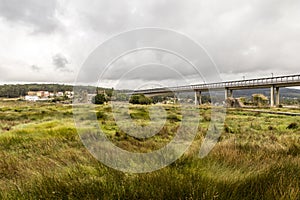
{"x":42,"y":157}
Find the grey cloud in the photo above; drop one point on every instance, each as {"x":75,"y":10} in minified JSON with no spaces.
{"x":242,"y":37}
{"x":162,"y":44}
{"x":60,"y":62}
{"x":255,"y":36}
{"x":40,"y":14}
{"x":114,"y":16}
{"x":35,"y":68}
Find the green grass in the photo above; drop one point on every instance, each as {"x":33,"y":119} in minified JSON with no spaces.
{"x":42,"y":157}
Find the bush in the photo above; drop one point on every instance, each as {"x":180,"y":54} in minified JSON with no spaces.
{"x":99,"y":99}
{"x":270,"y":128}
{"x":101,"y":115}
{"x":259,"y":99}
{"x":292,"y":125}
{"x":173,"y":118}
{"x":140,"y":99}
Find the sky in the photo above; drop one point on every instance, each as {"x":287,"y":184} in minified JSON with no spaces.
{"x":51,"y":41}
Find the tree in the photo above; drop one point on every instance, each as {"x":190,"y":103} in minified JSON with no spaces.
{"x":99,"y":99}
{"x":109,"y":92}
{"x":157,"y":99}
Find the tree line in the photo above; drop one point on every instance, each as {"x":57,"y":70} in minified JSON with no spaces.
{"x":18,"y":90}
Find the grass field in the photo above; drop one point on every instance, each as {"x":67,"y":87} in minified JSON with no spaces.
{"x":42,"y":157}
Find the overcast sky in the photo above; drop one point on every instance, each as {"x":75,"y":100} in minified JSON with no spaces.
{"x":48,"y":41}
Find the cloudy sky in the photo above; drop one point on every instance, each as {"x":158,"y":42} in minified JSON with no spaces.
{"x":49,"y":41}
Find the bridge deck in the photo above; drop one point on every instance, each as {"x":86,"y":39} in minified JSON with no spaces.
{"x":279,"y":81}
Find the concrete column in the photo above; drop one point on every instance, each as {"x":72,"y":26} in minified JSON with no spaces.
{"x":200,"y":98}
{"x":277,"y":96}
{"x":230,"y":93}
{"x":175,"y":98}
{"x":272,"y":96}
{"x":226,"y":94}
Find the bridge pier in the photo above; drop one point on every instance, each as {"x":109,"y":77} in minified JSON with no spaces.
{"x":228,"y":93}
{"x":277,"y":96}
{"x":272,"y":96}
{"x":198,"y":98}
{"x":176,"y":98}
{"x":274,"y":100}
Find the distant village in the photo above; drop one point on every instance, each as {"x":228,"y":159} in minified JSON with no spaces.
{"x":46,"y":95}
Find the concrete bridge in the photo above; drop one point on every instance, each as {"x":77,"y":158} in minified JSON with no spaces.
{"x":274,"y":83}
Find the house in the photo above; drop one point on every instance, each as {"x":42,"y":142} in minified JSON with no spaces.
{"x":40,"y":93}
{"x":69,"y":94}
{"x":32,"y":93}
{"x":46,"y":94}
{"x":59,"y":94}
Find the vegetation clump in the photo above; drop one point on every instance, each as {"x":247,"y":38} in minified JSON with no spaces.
{"x":100,"y":99}
{"x":173,"y":118}
{"x":260,"y":99}
{"x":292,"y":125}
{"x":140,"y":99}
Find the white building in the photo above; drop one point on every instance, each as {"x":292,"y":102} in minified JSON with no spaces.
{"x":46,"y":94}
{"x":69,"y":94}
{"x":59,"y":94}
{"x":31,"y":98}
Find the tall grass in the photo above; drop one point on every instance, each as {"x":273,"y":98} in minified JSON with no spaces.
{"x":42,"y":157}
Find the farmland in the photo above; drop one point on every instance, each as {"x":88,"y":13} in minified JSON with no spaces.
{"x":42,"y":156}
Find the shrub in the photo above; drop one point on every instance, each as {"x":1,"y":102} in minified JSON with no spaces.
{"x":292,"y":125}
{"x":270,"y":128}
{"x":99,"y":99}
{"x":173,"y":118}
{"x":259,"y":99}
{"x":101,"y":115}
{"x":140,"y":115}
{"x":140,"y":99}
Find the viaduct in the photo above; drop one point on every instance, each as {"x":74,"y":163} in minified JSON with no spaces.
{"x":274,"y":83}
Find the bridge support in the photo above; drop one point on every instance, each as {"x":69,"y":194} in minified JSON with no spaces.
{"x":176,"y":98}
{"x":228,"y":93}
{"x":277,"y":96}
{"x":198,"y":98}
{"x":272,"y":96}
